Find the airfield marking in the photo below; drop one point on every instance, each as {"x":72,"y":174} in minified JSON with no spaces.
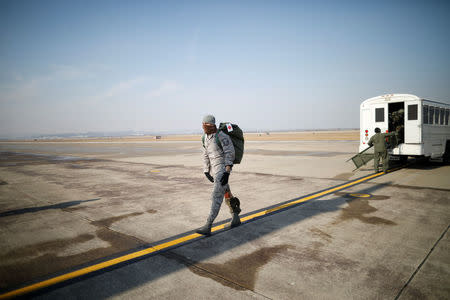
{"x":358,"y":195}
{"x":160,"y":247}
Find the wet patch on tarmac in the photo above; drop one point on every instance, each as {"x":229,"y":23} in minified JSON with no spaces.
{"x":108,"y":221}
{"x":132,"y":181}
{"x":343,"y":176}
{"x":314,"y":258}
{"x":239,"y":273}
{"x":358,"y":208}
{"x":33,"y":261}
{"x":41,"y":259}
{"x":322,"y":234}
{"x":35,"y":250}
{"x":372,"y":197}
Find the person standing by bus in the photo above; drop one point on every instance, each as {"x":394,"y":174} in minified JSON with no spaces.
{"x":218,"y":161}
{"x":378,"y":140}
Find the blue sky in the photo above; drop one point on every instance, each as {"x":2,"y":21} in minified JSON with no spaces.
{"x":77,"y":66}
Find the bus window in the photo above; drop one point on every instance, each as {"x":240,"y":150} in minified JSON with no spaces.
{"x":442,"y":116}
{"x":436,"y":116}
{"x":447,"y":111}
{"x":379,"y":114}
{"x":431,"y":120}
{"x":412,"y":112}
{"x":425,"y":114}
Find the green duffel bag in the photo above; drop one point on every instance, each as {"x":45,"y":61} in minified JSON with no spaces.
{"x":237,"y":137}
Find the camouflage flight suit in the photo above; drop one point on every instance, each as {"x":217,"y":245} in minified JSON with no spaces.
{"x":379,"y":142}
{"x":214,"y":161}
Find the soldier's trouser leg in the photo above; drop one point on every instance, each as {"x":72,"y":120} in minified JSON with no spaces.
{"x":376,"y":161}
{"x":385,"y":158}
{"x":217,"y":198}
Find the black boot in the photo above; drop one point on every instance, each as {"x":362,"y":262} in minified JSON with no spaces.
{"x":235,"y":220}
{"x":235,"y":205}
{"x":205,"y":229}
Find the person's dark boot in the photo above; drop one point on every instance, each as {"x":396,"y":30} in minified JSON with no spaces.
{"x":205,"y":229}
{"x":235,"y":205}
{"x":235,"y":220}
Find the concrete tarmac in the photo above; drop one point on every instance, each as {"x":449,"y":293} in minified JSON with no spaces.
{"x":64,"y":205}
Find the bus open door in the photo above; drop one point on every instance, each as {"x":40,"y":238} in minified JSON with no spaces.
{"x":413,"y":132}
{"x":396,"y":123}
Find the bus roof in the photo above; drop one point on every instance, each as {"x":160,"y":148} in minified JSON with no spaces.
{"x":395,"y":98}
{"x":390,"y":98}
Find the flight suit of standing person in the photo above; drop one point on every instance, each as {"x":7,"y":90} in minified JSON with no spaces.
{"x":378,"y":140}
{"x":218,"y":161}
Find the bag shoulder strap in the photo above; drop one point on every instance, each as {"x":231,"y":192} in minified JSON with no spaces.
{"x":218,"y":141}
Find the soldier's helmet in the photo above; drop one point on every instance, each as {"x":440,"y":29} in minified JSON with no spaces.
{"x":377,"y":130}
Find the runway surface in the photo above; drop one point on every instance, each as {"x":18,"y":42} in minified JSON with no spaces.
{"x":108,"y":224}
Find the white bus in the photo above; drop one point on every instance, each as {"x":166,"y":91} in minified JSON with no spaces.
{"x":423,"y":125}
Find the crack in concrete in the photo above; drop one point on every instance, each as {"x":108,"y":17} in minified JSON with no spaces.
{"x":421,"y":264}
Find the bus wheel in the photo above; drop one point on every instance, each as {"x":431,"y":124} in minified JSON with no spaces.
{"x":403,"y":159}
{"x":446,"y":156}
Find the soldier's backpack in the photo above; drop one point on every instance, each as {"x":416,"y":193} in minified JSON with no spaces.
{"x":237,"y":137}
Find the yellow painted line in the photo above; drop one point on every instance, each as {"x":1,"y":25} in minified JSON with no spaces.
{"x":140,"y":253}
{"x":304,"y":199}
{"x":358,"y":195}
{"x":177,"y":241}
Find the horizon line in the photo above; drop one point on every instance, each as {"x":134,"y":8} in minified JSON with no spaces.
{"x":131,"y":133}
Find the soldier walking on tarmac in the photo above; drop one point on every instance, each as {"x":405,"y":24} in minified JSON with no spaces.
{"x":378,"y":140}
{"x":218,"y":161}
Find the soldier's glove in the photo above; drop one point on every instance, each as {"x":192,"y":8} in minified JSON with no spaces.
{"x":224,"y":179}
{"x":210,"y":178}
